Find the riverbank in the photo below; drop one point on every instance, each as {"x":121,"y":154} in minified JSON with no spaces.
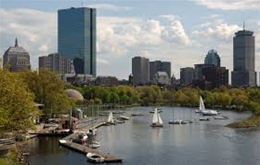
{"x":251,"y":122}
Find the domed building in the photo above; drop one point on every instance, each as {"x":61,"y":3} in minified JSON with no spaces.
{"x":212,"y":58}
{"x":74,"y":94}
{"x":17,"y":57}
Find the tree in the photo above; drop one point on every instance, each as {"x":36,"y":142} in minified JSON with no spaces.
{"x":168,"y":97}
{"x":17,"y":103}
{"x":48,"y":89}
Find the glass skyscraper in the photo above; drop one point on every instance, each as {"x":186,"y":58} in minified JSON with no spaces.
{"x":212,"y":58}
{"x":77,"y":38}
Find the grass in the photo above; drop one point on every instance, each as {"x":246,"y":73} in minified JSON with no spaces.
{"x":10,"y":158}
{"x":251,"y":122}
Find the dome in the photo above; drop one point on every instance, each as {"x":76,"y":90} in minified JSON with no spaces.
{"x":72,"y":93}
{"x":18,"y":57}
{"x":16,"y":50}
{"x":212,"y":58}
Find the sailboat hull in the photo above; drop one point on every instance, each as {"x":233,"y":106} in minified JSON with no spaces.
{"x":156,"y":125}
{"x":209,"y":113}
{"x":197,"y":111}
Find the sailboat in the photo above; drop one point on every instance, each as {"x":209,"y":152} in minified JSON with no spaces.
{"x":110,"y":120}
{"x":203,"y":110}
{"x":157,"y":120}
{"x":176,"y":121}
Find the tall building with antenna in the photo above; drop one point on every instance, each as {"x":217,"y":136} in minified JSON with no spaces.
{"x":77,"y":38}
{"x":244,"y":59}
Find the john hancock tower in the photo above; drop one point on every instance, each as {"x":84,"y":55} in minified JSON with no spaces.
{"x":77,"y":38}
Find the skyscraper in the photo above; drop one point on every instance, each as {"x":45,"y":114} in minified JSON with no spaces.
{"x":162,"y":66}
{"x":140,"y":70}
{"x":212,"y":58}
{"x":77,"y":38}
{"x":244,"y":59}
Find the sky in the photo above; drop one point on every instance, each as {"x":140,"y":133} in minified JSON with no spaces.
{"x":179,"y":31}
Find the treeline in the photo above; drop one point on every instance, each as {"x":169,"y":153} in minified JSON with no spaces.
{"x":241,"y":99}
{"x":22,"y":92}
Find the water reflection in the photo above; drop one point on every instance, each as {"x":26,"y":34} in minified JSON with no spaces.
{"x":156,"y":134}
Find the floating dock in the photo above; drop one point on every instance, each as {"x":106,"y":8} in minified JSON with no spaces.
{"x":84,"y":150}
{"x":67,"y":142}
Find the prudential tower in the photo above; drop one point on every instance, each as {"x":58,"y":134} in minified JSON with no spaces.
{"x":244,"y":59}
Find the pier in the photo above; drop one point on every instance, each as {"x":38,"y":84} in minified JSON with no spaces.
{"x":85,"y":126}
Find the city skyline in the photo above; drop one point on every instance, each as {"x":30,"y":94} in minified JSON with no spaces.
{"x":126,"y":30}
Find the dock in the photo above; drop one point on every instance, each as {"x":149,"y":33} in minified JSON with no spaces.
{"x":84,"y":150}
{"x":67,"y":142}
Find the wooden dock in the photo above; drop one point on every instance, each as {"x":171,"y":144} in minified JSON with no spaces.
{"x":84,"y":149}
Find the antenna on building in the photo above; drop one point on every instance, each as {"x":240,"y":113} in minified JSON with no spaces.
{"x":82,"y":3}
{"x":244,"y":25}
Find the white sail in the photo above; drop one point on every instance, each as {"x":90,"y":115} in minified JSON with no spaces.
{"x":155,"y":116}
{"x":202,"y":106}
{"x":110,"y":118}
{"x":204,"y":111}
{"x":159,"y":119}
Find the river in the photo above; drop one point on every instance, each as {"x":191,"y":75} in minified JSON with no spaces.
{"x":199,"y":143}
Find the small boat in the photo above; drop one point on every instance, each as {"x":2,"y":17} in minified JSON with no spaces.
{"x":157,"y":121}
{"x":158,"y":111}
{"x":123,"y":117}
{"x":204,"y":119}
{"x":94,"y":144}
{"x":119,"y":121}
{"x":62,"y":141}
{"x":95,"y":158}
{"x":177,"y":121}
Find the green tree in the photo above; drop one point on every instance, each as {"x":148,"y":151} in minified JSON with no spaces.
{"x":114,"y":98}
{"x":48,"y":89}
{"x":17,"y":103}
{"x":168,"y":97}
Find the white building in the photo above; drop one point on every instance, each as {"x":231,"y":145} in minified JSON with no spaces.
{"x":162,"y":78}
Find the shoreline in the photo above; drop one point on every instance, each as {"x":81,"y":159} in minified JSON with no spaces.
{"x":251,"y":122}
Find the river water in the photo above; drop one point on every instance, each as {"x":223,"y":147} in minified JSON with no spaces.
{"x":199,"y":143}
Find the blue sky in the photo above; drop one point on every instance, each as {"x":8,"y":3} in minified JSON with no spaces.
{"x":169,"y":30}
